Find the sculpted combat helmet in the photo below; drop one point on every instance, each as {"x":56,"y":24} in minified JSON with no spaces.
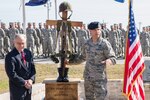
{"x":65,"y":6}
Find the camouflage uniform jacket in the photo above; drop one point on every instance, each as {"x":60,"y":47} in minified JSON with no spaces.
{"x":93,"y":54}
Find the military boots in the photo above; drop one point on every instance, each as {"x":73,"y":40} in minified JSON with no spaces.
{"x":63,"y":75}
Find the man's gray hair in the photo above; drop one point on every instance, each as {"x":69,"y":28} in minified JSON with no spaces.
{"x":21,"y":36}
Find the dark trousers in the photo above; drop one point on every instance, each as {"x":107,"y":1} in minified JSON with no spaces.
{"x":25,"y":96}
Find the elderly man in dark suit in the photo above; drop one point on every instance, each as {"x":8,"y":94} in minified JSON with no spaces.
{"x":20,"y":70}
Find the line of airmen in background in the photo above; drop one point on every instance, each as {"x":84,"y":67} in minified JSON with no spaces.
{"x":41,"y":39}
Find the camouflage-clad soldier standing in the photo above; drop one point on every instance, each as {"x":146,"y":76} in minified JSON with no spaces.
{"x":73,"y":40}
{"x":2,"y":35}
{"x":113,"y":39}
{"x":87,"y":31}
{"x":31,"y":36}
{"x":98,"y":54}
{"x":120,"y":45}
{"x":20,"y":29}
{"x":144,"y":36}
{"x":123,"y":39}
{"x":12,"y":32}
{"x":3,"y":25}
{"x":42,"y":38}
{"x":54,"y":37}
{"x":82,"y":37}
{"x":149,"y":40}
{"x":6,"y":39}
{"x":47,"y":41}
{"x":38,"y":39}
{"x":105,"y":31}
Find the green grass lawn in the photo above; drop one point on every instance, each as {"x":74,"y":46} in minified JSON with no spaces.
{"x":50,"y":71}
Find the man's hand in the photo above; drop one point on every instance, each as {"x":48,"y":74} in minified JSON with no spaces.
{"x":108,"y":62}
{"x":28,"y":83}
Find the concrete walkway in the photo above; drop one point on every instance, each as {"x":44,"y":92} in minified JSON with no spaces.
{"x":38,"y":92}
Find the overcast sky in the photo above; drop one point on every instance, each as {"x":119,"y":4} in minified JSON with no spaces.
{"x":107,"y":11}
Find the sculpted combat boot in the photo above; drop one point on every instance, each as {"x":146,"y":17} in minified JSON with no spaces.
{"x":63,"y":75}
{"x":60,"y":77}
{"x":65,"y":78}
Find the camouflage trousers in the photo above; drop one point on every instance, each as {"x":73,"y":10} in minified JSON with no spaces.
{"x":95,"y":89}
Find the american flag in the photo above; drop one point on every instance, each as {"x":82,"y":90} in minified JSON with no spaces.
{"x":134,"y":64}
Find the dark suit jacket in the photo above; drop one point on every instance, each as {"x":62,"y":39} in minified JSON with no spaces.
{"x":18,"y":72}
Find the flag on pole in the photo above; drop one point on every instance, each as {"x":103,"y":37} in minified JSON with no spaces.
{"x":134,"y":63}
{"x":121,"y":1}
{"x":36,"y":2}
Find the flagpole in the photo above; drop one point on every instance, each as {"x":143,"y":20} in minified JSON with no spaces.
{"x":24,"y":16}
{"x":48,"y":8}
{"x":56,"y":9}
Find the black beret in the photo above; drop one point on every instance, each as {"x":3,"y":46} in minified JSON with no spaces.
{"x":93,"y":25}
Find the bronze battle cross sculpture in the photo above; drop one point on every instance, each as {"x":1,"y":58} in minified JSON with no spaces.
{"x":64,"y":28}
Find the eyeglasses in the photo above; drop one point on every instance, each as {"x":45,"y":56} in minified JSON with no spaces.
{"x":20,"y":43}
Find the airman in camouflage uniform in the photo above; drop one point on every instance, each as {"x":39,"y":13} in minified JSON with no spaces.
{"x":73,"y":40}
{"x":123,"y":39}
{"x":38,"y":39}
{"x":113,"y":39}
{"x":4,"y":27}
{"x":82,"y":37}
{"x":6,"y":38}
{"x":18,"y":26}
{"x":31,"y":37}
{"x":98,"y":54}
{"x":119,"y":45}
{"x":6,"y":44}
{"x":47,"y":41}
{"x":12,"y":32}
{"x":144,"y":36}
{"x":54,"y":37}
{"x":87,"y":31}
{"x":105,"y":31}
{"x":149,"y":40}
{"x":42,"y":38}
{"x":2,"y":35}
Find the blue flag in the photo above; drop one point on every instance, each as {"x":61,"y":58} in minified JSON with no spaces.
{"x":36,"y":2}
{"x":121,"y":1}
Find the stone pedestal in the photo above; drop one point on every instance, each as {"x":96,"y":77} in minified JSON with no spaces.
{"x":61,"y":90}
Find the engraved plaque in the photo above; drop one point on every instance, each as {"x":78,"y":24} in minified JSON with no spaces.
{"x":62,"y":91}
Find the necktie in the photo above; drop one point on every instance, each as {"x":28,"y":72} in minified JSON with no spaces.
{"x":23,"y":57}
